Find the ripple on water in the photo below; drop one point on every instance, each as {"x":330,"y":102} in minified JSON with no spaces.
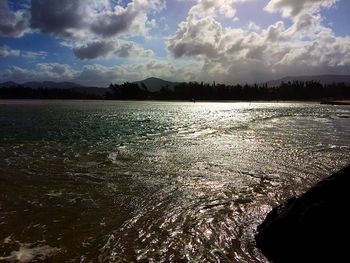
{"x":155,"y":182}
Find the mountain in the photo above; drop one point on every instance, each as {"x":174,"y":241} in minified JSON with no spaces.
{"x":44,"y":84}
{"x":51,"y":85}
{"x":8,"y":84}
{"x":323,"y":79}
{"x":155,"y":84}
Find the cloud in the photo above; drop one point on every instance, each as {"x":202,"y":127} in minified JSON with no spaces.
{"x":196,"y":37}
{"x":204,"y":47}
{"x":132,"y":18}
{"x":292,"y":8}
{"x":130,"y":49}
{"x":13,"y":24}
{"x":200,"y":33}
{"x":103,"y":75}
{"x":41,"y":72}
{"x":96,"y":49}
{"x":244,"y":55}
{"x":34,"y":54}
{"x":93,"y":27}
{"x":89,"y":18}
{"x":55,"y":70}
{"x":6,"y":51}
{"x":215,"y":8}
{"x":60,"y":18}
{"x":100,"y":75}
{"x":93,"y":50}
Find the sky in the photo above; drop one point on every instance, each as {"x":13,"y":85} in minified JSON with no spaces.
{"x":98,"y":42}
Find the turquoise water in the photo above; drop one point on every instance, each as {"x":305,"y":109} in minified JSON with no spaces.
{"x":102,"y":181}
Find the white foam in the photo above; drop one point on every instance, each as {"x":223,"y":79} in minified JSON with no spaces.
{"x":26,"y":254}
{"x":7,"y":240}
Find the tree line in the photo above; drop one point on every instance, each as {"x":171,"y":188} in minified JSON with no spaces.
{"x":295,"y":90}
{"x":20,"y":92}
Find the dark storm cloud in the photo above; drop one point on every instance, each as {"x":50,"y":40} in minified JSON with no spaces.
{"x":12,"y":24}
{"x":89,"y":26}
{"x":113,"y":24}
{"x":58,"y":17}
{"x":67,"y":18}
{"x":93,"y":50}
{"x":102,"y":48}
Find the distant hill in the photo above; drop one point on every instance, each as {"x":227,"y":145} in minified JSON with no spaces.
{"x":44,"y":84}
{"x":155,"y":84}
{"x":8,"y":84}
{"x":51,"y":85}
{"x":57,"y":85}
{"x":323,"y":79}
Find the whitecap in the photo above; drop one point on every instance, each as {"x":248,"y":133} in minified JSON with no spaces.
{"x":26,"y":254}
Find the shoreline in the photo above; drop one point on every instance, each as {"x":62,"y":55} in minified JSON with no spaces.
{"x":331,"y":102}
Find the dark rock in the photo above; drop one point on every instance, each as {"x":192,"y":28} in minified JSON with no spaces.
{"x":311,"y":228}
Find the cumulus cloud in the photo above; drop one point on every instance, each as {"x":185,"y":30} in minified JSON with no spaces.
{"x":92,"y":26}
{"x":109,"y":48}
{"x":214,"y":7}
{"x":13,"y":24}
{"x":89,"y":18}
{"x":196,"y":37}
{"x":296,"y":44}
{"x":239,"y":55}
{"x":201,"y":33}
{"x":132,"y":18}
{"x":130,"y":49}
{"x":55,"y":70}
{"x":60,"y":18}
{"x":292,"y":8}
{"x":93,"y":50}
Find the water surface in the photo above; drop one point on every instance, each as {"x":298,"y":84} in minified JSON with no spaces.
{"x":102,"y":181}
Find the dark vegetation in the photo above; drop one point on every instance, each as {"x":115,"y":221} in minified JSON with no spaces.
{"x":296,"y":90}
{"x":20,"y":92}
{"x":311,"y":228}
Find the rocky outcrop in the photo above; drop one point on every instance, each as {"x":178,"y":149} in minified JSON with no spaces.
{"x":311,"y":228}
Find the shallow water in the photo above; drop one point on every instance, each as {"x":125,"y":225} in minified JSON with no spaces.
{"x":155,"y":182}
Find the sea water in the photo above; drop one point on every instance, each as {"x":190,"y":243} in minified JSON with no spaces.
{"x":103,"y":181}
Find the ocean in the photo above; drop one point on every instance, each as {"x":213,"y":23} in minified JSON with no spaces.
{"x":109,"y":181}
